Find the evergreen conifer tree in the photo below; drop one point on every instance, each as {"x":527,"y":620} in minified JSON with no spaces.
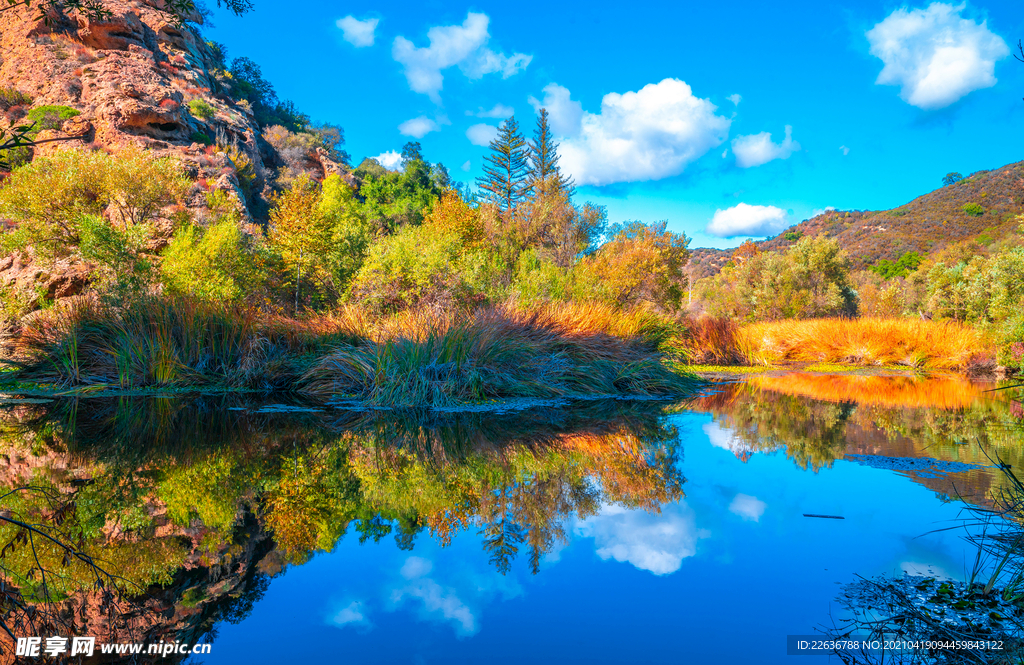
{"x":544,"y":158}
{"x":506,"y":171}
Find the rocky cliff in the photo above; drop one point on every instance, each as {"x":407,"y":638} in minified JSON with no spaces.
{"x":137,"y":77}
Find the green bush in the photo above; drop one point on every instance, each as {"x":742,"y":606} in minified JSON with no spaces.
{"x":982,"y":290}
{"x":320,"y":237}
{"x":120,"y":253}
{"x":90,"y":205}
{"x":1011,"y":348}
{"x":217,"y":264}
{"x":201,"y":109}
{"x":973,"y":209}
{"x":902,"y":267}
{"x":811,"y":279}
{"x":201,"y":138}
{"x":413,"y":267}
{"x":50,"y":117}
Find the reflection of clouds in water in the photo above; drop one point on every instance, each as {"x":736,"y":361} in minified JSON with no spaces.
{"x":441,"y":602}
{"x":721,"y":437}
{"x":649,"y":541}
{"x":415,"y":566}
{"x":351,"y":614}
{"x":748,"y":507}
{"x":437,"y":601}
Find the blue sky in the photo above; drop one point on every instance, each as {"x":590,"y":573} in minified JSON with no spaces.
{"x":730,"y":120}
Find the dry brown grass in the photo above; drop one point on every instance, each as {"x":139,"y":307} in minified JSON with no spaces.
{"x":866,"y":341}
{"x":711,"y":340}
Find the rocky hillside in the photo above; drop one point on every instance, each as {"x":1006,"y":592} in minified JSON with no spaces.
{"x":138,"y":77}
{"x":982,"y":206}
{"x":131,"y":78}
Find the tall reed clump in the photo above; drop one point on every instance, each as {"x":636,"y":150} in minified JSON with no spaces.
{"x":865,"y":341}
{"x":170,"y":342}
{"x":441,"y":359}
{"x":711,"y":340}
{"x":412,"y":359}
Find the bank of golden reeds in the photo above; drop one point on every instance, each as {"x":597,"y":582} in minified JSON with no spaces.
{"x":416,"y":358}
{"x":865,"y":341}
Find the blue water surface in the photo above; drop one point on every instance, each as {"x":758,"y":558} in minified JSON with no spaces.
{"x":721,"y":576}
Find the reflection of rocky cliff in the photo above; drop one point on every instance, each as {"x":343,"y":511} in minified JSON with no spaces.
{"x":817,"y":419}
{"x":197,"y":501}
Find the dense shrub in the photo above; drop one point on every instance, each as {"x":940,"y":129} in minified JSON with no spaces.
{"x":218,"y":264}
{"x":906,"y":264}
{"x":13,"y":97}
{"x":416,"y":266}
{"x":50,"y":116}
{"x":973,"y":209}
{"x":201,"y":109}
{"x":810,"y":279}
{"x":48,"y":197}
{"x":983,"y":289}
{"x":641,"y":263}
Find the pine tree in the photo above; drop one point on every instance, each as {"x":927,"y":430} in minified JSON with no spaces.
{"x":506,"y":171}
{"x":544,"y":158}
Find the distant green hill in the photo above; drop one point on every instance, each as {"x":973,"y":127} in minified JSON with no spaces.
{"x":982,"y":206}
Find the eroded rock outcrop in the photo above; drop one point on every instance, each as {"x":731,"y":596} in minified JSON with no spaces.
{"x":132,"y":77}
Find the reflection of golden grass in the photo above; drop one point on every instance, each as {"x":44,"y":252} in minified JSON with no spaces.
{"x":865,"y":341}
{"x":944,"y":393}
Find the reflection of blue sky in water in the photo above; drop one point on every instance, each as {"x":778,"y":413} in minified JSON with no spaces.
{"x":721,"y":576}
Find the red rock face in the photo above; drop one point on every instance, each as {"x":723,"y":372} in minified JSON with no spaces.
{"x":131,"y":77}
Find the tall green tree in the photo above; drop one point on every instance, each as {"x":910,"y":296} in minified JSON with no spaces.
{"x":506,"y":171}
{"x":543,"y":157}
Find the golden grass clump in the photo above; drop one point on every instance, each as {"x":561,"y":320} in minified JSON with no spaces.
{"x":415,"y":358}
{"x":864,"y":341}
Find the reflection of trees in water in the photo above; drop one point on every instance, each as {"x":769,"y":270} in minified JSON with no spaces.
{"x":949,"y":419}
{"x":811,"y":432}
{"x":197,"y":501}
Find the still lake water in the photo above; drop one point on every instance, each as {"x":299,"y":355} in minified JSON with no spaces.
{"x":602,"y":533}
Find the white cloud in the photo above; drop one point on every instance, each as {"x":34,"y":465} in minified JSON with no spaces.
{"x":846,"y":151}
{"x":747,"y":220}
{"x":735,"y":99}
{"x":481,"y":134}
{"x":358,"y":33}
{"x":649,"y":134}
{"x":564,"y":114}
{"x":758,"y":149}
{"x":350,"y":614}
{"x":450,"y":45}
{"x":935,"y":54}
{"x":748,"y":507}
{"x":719,"y":437}
{"x":498,"y":111}
{"x":466,"y":166}
{"x":391,"y":160}
{"x":437,"y":600}
{"x":418,"y":127}
{"x":654,"y":542}
{"x":416,"y":566}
